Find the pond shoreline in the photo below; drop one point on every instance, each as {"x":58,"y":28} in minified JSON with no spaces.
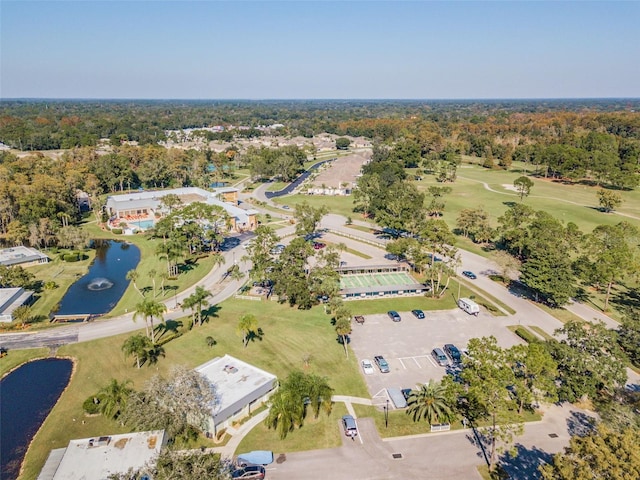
{"x":72,"y":373}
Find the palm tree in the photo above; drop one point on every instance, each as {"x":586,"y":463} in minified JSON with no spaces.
{"x":289,"y":404}
{"x":163,"y":277}
{"x":113,"y":397}
{"x":319,"y":393}
{"x":248,"y":325}
{"x":150,"y":309}
{"x":196,"y":302}
{"x":430,"y":403}
{"x":137,"y":346}
{"x":133,"y":276}
{"x":284,"y":414}
{"x":152,"y":275}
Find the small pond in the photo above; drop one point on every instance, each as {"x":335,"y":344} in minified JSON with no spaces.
{"x":101,"y":289}
{"x":28,"y":395}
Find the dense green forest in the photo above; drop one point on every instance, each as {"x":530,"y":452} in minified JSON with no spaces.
{"x":53,"y":124}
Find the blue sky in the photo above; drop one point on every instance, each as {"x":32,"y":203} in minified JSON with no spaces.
{"x":305,"y":49}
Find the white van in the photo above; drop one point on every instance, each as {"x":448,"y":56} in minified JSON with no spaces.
{"x":469,"y":306}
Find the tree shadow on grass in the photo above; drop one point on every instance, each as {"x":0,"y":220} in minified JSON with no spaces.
{"x":255,"y":335}
{"x":624,"y":300}
{"x":166,"y":328}
{"x":210,"y":312}
{"x":524,"y":465}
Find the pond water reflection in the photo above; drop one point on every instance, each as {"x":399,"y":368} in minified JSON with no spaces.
{"x":27,"y":395}
{"x":102,"y":287}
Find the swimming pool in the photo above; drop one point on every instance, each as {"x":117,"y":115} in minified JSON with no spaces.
{"x":143,"y":224}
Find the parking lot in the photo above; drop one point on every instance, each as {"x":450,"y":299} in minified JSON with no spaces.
{"x":407,"y":345}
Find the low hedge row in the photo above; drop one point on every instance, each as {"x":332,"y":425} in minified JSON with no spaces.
{"x":526,"y":335}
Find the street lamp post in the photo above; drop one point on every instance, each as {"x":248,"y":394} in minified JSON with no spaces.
{"x":386,"y":414}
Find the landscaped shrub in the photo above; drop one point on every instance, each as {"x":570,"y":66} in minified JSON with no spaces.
{"x":116,"y":231}
{"x":526,"y":335}
{"x":90,"y":405}
{"x":71,"y":257}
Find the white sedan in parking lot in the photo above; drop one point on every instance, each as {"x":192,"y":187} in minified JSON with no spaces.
{"x":367,"y":367}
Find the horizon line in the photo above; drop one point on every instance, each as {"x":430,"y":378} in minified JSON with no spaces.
{"x":246,"y":99}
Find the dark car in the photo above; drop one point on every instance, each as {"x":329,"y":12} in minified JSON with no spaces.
{"x":453,"y":352}
{"x":469,"y":274}
{"x":406,"y":393}
{"x":250,"y":472}
{"x":393,"y":315}
{"x":418,"y":313}
{"x":381,"y":363}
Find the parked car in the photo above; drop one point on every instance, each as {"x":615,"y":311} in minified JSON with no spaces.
{"x":349,"y":426}
{"x":367,"y":367}
{"x":277,"y":250}
{"x":381,"y":363}
{"x":439,"y":356}
{"x":393,"y":315}
{"x":318,"y":245}
{"x":469,"y":274}
{"x":407,"y":393}
{"x":418,"y":313}
{"x":285,"y":207}
{"x":453,"y":352}
{"x":250,"y":472}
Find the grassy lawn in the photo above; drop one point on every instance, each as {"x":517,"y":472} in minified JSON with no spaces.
{"x":342,"y":205}
{"x":361,"y":228}
{"x":357,"y":253}
{"x":61,"y":272}
{"x":559,"y":314}
{"x":289,"y":335}
{"x":321,"y":432}
{"x":487,"y":300}
{"x":568,"y":203}
{"x":276,"y":186}
{"x":404,"y":304}
{"x":540,"y":332}
{"x":15,"y":358}
{"x":401,"y":424}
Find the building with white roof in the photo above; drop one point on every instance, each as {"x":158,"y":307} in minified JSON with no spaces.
{"x":23,"y":256}
{"x":239,"y":388}
{"x":148,"y":204}
{"x":10,"y":299}
{"x":99,"y":457}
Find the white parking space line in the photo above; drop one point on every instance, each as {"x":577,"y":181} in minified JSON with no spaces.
{"x":358,"y":430}
{"x":402,"y":363}
{"x":431,"y":360}
{"x":417,"y":363}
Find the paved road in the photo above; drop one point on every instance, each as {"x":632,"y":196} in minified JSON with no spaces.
{"x":296,"y":183}
{"x":431,"y":456}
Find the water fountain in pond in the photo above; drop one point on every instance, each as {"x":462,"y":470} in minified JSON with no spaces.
{"x":97,"y":292}
{"x":99,"y":283}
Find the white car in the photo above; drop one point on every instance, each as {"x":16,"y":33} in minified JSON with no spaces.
{"x":367,"y":367}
